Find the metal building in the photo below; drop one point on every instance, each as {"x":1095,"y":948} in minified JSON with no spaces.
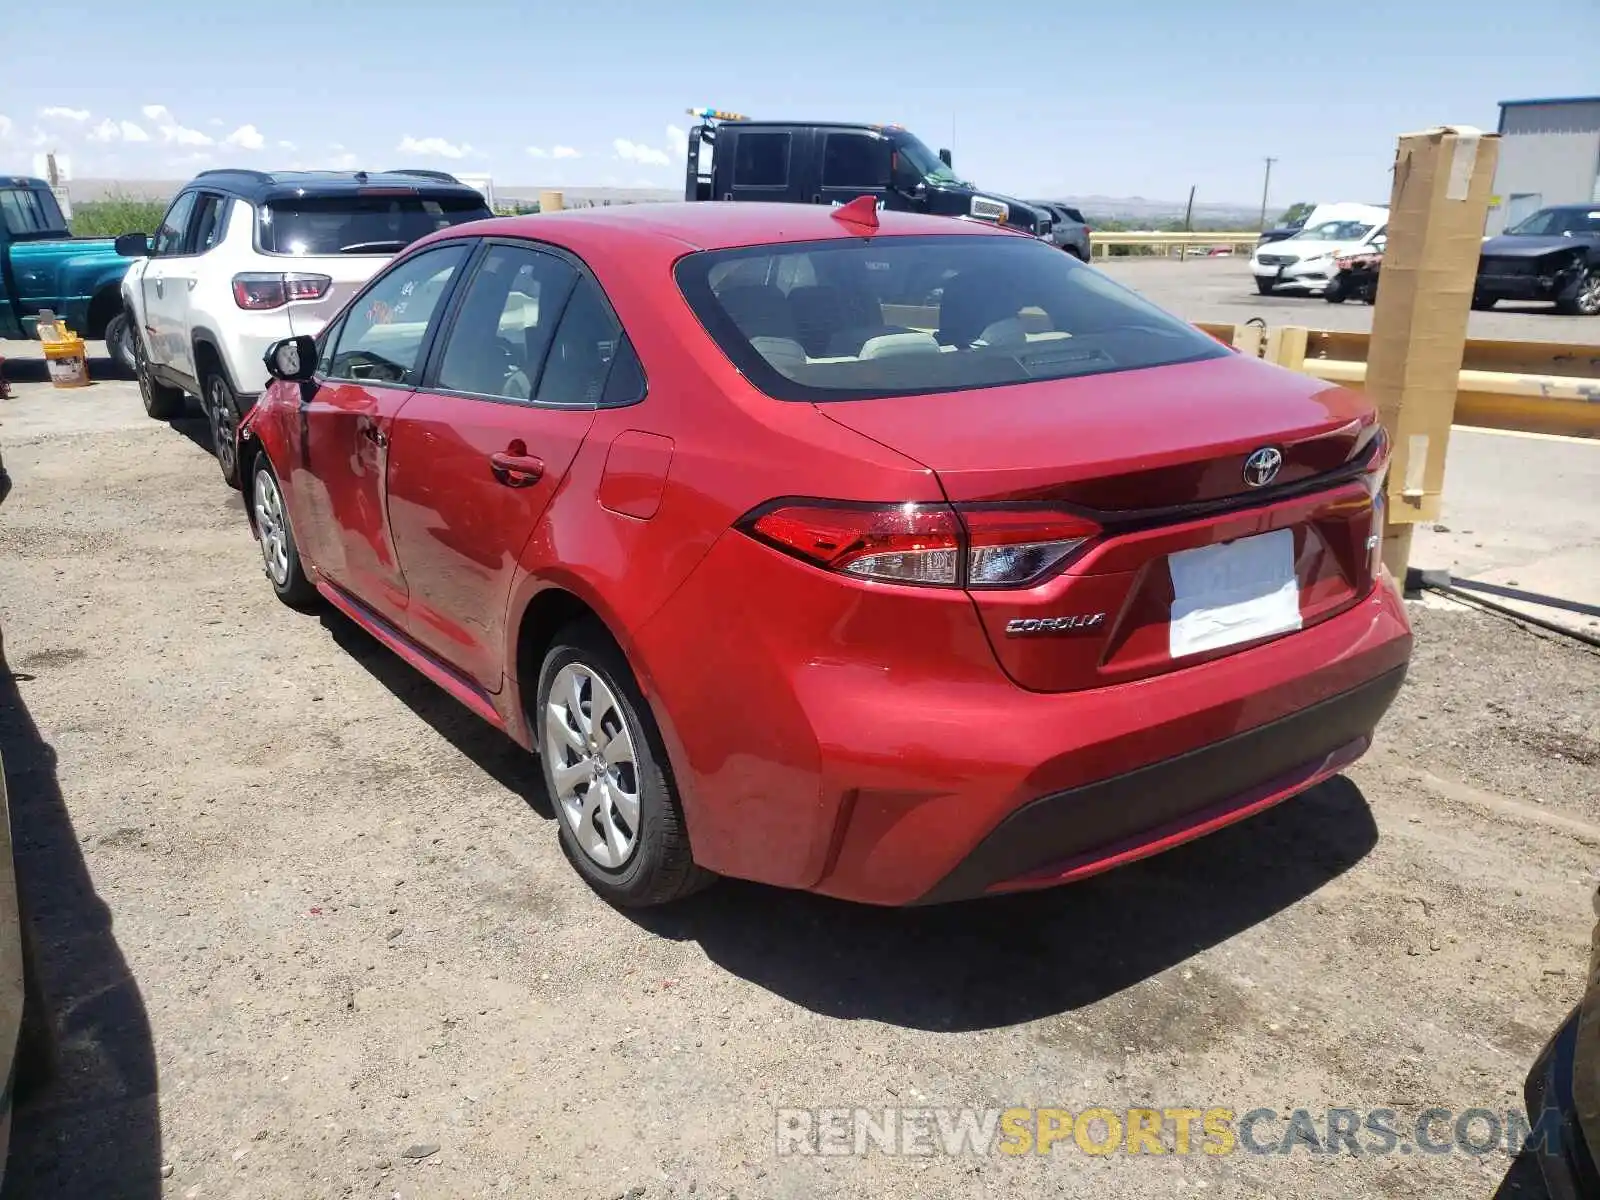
{"x":1549,"y":154}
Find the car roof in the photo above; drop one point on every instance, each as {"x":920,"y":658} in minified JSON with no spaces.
{"x":258,"y":186}
{"x":708,"y":225}
{"x":1592,"y":206}
{"x":22,"y":181}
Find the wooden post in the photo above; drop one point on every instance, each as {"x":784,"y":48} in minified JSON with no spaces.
{"x":1437,"y":208}
{"x":551,"y":201}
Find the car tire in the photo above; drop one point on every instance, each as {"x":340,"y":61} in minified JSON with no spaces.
{"x":119,"y":347}
{"x":620,"y":821}
{"x":1265,"y":286}
{"x":1585,"y":300}
{"x":280,"y":556}
{"x":161,"y":403}
{"x":222,"y":411}
{"x":1335,"y":292}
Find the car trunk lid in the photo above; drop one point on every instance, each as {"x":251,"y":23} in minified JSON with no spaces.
{"x":1193,"y":561}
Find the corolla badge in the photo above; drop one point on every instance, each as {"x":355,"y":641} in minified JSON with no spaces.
{"x":1026,"y":625}
{"x":1261,"y":468}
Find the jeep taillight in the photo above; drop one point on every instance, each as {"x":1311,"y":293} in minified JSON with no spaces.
{"x":976,"y":546}
{"x":258,"y":290}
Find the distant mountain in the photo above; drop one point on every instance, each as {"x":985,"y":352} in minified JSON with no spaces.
{"x":1137,"y":208}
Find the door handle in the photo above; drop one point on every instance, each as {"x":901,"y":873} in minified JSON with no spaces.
{"x":373,"y":434}
{"x":159,"y":286}
{"x":516,"y":470}
{"x":191,"y":281}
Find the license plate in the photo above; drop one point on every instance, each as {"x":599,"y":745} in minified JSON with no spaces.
{"x":1232,"y":593}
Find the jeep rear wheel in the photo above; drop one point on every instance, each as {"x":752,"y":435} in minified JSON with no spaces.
{"x":222,"y":410}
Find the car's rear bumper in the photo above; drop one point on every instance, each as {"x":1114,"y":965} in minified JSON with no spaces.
{"x":877,"y":754}
{"x":1085,"y":830}
{"x":1558,"y":1144}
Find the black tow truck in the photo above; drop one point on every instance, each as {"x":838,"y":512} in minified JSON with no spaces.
{"x":826,"y":162}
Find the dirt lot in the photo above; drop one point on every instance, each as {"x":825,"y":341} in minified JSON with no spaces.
{"x":300,"y":915}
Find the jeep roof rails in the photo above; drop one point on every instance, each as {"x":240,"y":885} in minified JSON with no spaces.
{"x":422,"y":173}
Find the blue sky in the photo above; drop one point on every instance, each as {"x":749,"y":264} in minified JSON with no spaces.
{"x":1052,"y":98}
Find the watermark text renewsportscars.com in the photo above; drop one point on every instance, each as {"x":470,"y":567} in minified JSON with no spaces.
{"x":1104,"y":1130}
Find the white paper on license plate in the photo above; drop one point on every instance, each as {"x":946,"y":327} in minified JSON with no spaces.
{"x":1234,"y":592}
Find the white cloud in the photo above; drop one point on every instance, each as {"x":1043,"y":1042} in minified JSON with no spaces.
{"x":6,"y":126}
{"x":39,"y":138}
{"x":246,"y":137}
{"x":285,"y":145}
{"x":215,"y":122}
{"x":675,"y":136}
{"x":433,"y":146}
{"x":335,"y":146}
{"x":638,"y":152}
{"x":172,"y":132}
{"x":111,"y":131}
{"x":57,"y":113}
{"x":564,"y":152}
{"x":536,"y":152}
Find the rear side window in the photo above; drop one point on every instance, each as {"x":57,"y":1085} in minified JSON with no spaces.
{"x":575,"y":372}
{"x":891,"y":316}
{"x":359,"y":224}
{"x":26,"y":211}
{"x":761,"y":159}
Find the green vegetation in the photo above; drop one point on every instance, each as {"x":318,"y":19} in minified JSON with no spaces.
{"x":116,"y":214}
{"x":1298,"y":211}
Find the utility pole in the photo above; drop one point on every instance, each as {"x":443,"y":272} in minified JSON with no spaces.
{"x":1266,"y":184}
{"x":1188,"y":223}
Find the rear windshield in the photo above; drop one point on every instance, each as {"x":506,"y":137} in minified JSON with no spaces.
{"x":894,"y":316}
{"x":354,"y":224}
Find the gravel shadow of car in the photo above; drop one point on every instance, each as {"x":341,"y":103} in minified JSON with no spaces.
{"x":509,"y":764}
{"x":95,"y":1129}
{"x":992,"y":963}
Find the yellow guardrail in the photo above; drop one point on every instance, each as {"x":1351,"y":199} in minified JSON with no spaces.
{"x":1159,"y":244}
{"x":1533,"y":387}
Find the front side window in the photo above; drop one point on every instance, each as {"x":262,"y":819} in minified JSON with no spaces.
{"x":359,"y":224}
{"x":174,"y":226}
{"x":498,"y":341}
{"x":892,"y":316}
{"x":854,"y":160}
{"x":1334,"y":231}
{"x":761,"y":159}
{"x":384,"y":330}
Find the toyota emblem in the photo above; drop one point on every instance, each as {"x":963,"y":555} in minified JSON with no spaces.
{"x":1261,"y":468}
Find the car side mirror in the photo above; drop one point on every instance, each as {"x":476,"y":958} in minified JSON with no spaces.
{"x":944,"y":157}
{"x":132,"y":245}
{"x":294,"y":359}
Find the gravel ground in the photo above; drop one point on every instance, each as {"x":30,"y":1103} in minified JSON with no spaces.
{"x":309,"y":933}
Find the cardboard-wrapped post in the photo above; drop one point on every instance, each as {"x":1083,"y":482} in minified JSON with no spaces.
{"x":1440,"y":198}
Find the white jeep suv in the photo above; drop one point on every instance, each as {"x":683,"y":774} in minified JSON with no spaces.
{"x":244,"y":258}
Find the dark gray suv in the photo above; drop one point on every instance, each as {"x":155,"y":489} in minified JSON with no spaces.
{"x":1070,"y":231}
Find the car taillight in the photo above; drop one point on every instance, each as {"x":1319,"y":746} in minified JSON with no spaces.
{"x":1375,"y":477}
{"x":1012,"y":547}
{"x":261,"y":290}
{"x":931,"y":545}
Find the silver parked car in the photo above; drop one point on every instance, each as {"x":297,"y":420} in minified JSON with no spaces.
{"x":1070,"y":231}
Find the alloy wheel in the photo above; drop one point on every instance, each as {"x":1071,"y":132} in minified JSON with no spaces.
{"x":592,"y":769}
{"x":1588,"y":302}
{"x":272,"y":528}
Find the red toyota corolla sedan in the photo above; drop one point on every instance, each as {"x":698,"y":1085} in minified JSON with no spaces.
{"x":893,"y":557}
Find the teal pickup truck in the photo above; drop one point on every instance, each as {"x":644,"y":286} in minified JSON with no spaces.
{"x":42,"y":266}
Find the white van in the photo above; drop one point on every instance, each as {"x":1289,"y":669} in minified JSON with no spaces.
{"x":1305,"y":261}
